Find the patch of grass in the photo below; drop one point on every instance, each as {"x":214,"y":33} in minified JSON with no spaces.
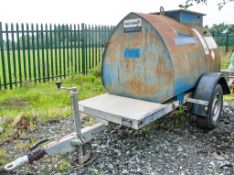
{"x":63,"y":166}
{"x":44,"y":102}
{"x":65,"y":58}
{"x":23,"y":146}
{"x":91,"y":122}
{"x":3,"y":157}
{"x":229,"y":97}
{"x":225,"y":59}
{"x":225,"y":62}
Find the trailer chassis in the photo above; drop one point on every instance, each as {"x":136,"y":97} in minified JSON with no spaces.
{"x":78,"y":141}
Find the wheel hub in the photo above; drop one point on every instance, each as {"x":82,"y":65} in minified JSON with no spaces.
{"x":216,"y":107}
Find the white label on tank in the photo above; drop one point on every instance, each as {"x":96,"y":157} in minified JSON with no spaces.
{"x":130,"y":23}
{"x":213,"y":54}
{"x":205,"y":47}
{"x":211,"y":42}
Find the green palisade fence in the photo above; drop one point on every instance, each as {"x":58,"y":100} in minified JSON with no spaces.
{"x":40,"y":53}
{"x":225,"y":40}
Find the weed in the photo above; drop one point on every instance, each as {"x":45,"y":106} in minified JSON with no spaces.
{"x":96,"y":171}
{"x":3,"y":157}
{"x":23,"y":146}
{"x":90,"y":122}
{"x":63,"y":166}
{"x":97,"y":71}
{"x":229,"y":97}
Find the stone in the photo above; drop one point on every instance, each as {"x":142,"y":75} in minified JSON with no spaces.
{"x":5,"y":120}
{"x":219,"y":157}
{"x":17,"y":120}
{"x":2,"y":120}
{"x":212,"y":164}
{"x":57,"y":174}
{"x":1,"y":130}
{"x":225,"y":163}
{"x":110,"y":166}
{"x":125,"y":171}
{"x":180,"y":148}
{"x":117,"y":151}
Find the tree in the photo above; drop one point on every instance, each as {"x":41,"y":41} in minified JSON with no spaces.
{"x":221,"y":28}
{"x":231,"y":28}
{"x":189,"y":3}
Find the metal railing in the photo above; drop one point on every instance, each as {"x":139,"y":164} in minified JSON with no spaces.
{"x":39,"y":53}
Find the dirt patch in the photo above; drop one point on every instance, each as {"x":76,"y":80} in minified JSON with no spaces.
{"x":14,"y":102}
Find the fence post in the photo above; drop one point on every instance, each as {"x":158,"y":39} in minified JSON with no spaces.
{"x":83,"y":48}
{"x":96,"y":45}
{"x":47,"y":53}
{"x":33,"y":54}
{"x":86,"y":48}
{"x":13,"y":53}
{"x":60,"y":50}
{"x":64,"y":50}
{"x":43,"y":54}
{"x":226,"y":44}
{"x":8,"y":56}
{"x":75,"y":55}
{"x":213,"y":34}
{"x":3,"y":57}
{"x":78,"y":46}
{"x":24,"y":54}
{"x":29,"y":52}
{"x":38,"y":53}
{"x":51,"y":52}
{"x":55,"y":50}
{"x":19,"y":53}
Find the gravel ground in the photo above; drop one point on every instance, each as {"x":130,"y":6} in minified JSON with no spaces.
{"x":172,"y":145}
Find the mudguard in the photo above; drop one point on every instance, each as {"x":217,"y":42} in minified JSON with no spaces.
{"x":204,"y":89}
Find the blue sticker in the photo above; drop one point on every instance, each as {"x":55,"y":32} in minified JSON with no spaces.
{"x":132,"y":53}
{"x":185,"y":40}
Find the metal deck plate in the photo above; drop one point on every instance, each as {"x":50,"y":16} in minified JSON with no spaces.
{"x":121,"y":110}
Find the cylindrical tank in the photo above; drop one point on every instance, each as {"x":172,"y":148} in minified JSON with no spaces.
{"x":155,"y":58}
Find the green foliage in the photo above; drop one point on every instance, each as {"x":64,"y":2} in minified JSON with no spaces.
{"x":97,"y":71}
{"x":63,"y":166}
{"x":221,"y":28}
{"x":229,"y":97}
{"x":189,"y":3}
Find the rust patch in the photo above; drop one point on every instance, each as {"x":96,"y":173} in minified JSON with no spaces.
{"x":139,"y":87}
{"x":162,"y":71}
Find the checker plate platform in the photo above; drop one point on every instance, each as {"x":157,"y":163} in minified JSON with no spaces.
{"x":123,"y":110}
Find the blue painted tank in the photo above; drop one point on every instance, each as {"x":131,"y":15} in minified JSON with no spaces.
{"x":157,"y":57}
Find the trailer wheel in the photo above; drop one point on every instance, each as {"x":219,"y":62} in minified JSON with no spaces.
{"x":214,"y":109}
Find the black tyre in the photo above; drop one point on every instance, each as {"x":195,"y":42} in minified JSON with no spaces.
{"x":214,"y":109}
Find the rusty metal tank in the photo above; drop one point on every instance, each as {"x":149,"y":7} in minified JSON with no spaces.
{"x":156,"y":57}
